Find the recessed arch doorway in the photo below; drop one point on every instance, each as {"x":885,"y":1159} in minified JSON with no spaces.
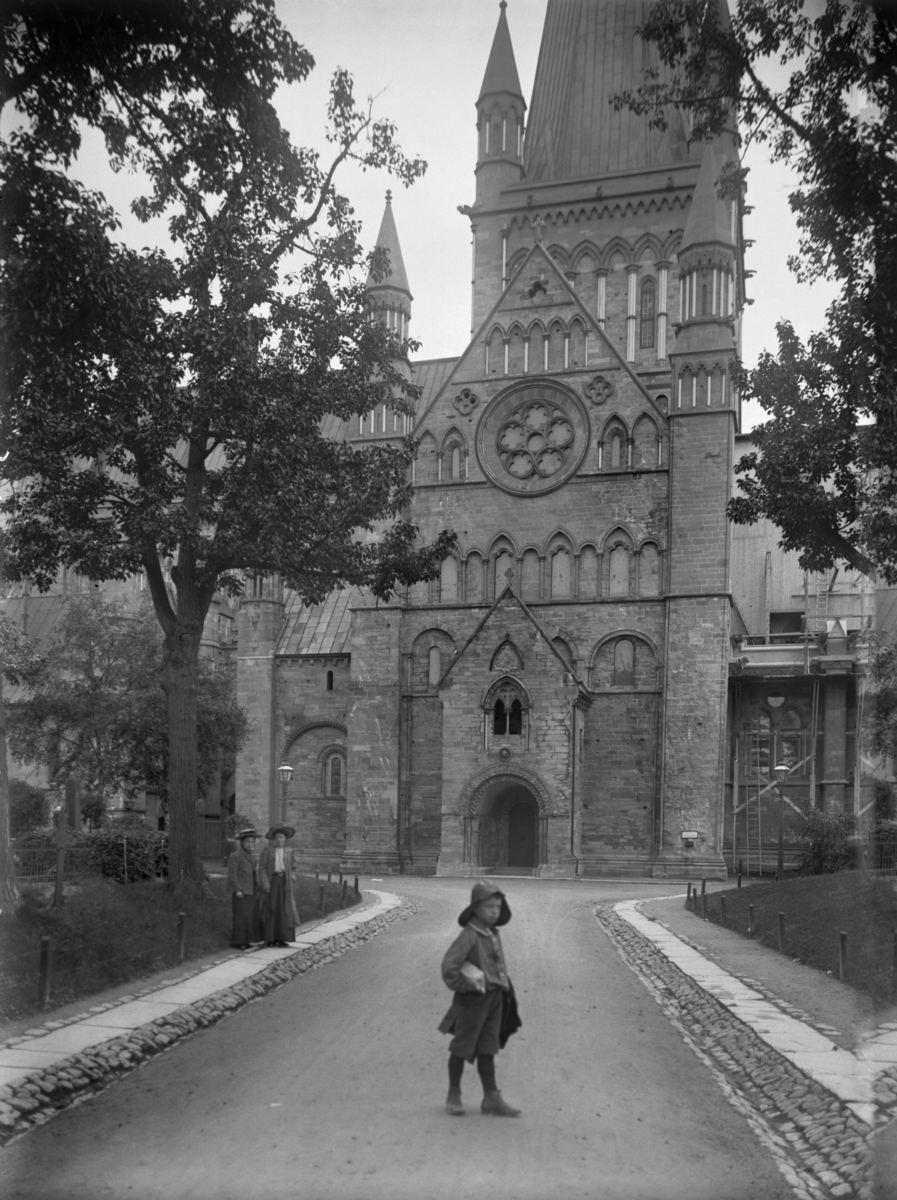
{"x":505,"y":830}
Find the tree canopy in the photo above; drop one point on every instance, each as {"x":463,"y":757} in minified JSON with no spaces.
{"x":90,"y":703}
{"x":169,"y":403}
{"x":825,"y":466}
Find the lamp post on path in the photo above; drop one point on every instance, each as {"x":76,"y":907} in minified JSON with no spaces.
{"x":781,"y":772}
{"x":285,"y":771}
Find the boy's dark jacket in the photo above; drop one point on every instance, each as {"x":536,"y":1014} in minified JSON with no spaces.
{"x":466,"y":948}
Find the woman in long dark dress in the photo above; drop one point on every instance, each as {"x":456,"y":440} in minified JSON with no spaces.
{"x":242,"y":883}
{"x":278,"y":908}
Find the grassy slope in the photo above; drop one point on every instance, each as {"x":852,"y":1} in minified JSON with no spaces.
{"x":107,"y":934}
{"x":817,"y":908}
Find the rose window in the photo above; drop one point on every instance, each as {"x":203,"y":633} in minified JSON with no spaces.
{"x":535,"y":440}
{"x":532,"y":437}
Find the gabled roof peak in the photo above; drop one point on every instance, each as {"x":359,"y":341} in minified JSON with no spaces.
{"x":501,"y":70}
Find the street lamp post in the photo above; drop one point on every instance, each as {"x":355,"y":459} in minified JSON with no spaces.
{"x":285,"y":771}
{"x":781,"y":772}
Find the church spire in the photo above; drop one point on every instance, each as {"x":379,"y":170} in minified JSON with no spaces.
{"x":500,"y":113}
{"x":388,"y":240}
{"x":501,"y":76}
{"x":590,"y":51}
{"x":389,"y":302}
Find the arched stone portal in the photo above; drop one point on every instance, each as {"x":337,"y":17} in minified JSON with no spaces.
{"x":504,"y":826}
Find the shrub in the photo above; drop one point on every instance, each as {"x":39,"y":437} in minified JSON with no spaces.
{"x":27,"y":807}
{"x":830,"y":847}
{"x":129,"y":852}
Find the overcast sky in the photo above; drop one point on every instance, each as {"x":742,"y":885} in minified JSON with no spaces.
{"x":424,"y":60}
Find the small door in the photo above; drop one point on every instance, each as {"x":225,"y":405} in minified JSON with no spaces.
{"x":522,"y":836}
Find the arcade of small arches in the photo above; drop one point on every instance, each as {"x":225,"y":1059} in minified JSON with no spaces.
{"x":621,"y":447}
{"x":701,"y":386}
{"x":618,"y":283}
{"x":626,"y":660}
{"x":559,"y":570}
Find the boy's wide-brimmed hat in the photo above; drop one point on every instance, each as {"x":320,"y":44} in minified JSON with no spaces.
{"x":247,"y":833}
{"x":482,"y":890}
{"x":287,"y":830}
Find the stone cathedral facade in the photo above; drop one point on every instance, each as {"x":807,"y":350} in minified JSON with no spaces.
{"x":556,"y":702}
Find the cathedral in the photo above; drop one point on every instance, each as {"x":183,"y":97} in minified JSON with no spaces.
{"x":583,"y":690}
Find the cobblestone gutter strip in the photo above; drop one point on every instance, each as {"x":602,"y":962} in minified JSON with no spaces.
{"x":819,"y":1145}
{"x":36,"y":1099}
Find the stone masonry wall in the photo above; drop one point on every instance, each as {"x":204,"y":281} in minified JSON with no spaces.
{"x":373,"y":742}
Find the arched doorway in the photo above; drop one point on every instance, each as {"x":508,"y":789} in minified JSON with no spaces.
{"x":505,"y":828}
{"x":521,"y":835}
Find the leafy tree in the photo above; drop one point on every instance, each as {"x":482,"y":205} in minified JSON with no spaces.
{"x":825,"y":468}
{"x":169,"y":403}
{"x":880,"y":727}
{"x":95,"y":708}
{"x":27,"y":807}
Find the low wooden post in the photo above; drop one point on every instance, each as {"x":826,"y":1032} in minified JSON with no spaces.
{"x":688,"y":897}
{"x":46,"y":971}
{"x":341,"y":877}
{"x":356,"y":884}
{"x":722,"y":910}
{"x":317,"y":873}
{"x":328,"y":876}
{"x":321,"y":898}
{"x":739,"y":874}
{"x":182,"y":936}
{"x":704,"y":905}
{"x":345,"y":883}
{"x":740,"y":866}
{"x":842,"y":955}
{"x":781,"y":933}
{"x":751,"y":926}
{"x":703,"y":887}
{"x":62,"y":842}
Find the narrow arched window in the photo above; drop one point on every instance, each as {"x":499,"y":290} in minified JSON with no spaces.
{"x":704,"y":309}
{"x":334,"y":775}
{"x":648,"y":314}
{"x":500,"y":718}
{"x":434,"y":666}
{"x":456,"y":462}
{"x":616,"y":450}
{"x":618,"y":582}
{"x":515,"y":718}
{"x":329,"y":681}
{"x":448,"y":579}
{"x":624,"y":663}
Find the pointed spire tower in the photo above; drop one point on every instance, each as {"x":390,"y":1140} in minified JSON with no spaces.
{"x":500,"y":114}
{"x":389,"y":300}
{"x":707,"y":334}
{"x":501,"y":110}
{"x":390,"y":297}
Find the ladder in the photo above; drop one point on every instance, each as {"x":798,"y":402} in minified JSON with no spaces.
{"x":754,"y":859}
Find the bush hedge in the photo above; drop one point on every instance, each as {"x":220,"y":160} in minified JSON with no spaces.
{"x":125,"y":853}
{"x":830,"y":847}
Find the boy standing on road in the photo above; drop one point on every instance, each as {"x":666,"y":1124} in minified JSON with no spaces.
{"x":483,"y":1014}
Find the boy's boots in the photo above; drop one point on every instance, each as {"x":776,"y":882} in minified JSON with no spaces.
{"x":453,"y":1103}
{"x":494,"y":1104}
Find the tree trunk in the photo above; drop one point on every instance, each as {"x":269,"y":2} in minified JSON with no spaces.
{"x":180,"y":673}
{"x":9,"y":891}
